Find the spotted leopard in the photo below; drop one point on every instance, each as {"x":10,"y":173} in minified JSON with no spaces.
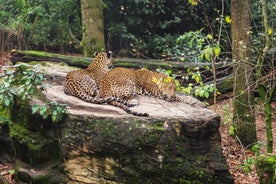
{"x":84,"y":83}
{"x":123,"y":83}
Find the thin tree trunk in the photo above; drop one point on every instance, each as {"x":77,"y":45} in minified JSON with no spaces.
{"x":243,"y":96}
{"x":92,"y":26}
{"x":266,"y":89}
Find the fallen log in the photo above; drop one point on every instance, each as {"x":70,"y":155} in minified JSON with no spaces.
{"x":30,"y":55}
{"x":83,"y":62}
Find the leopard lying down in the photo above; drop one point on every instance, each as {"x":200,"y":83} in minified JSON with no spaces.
{"x":121,"y":84}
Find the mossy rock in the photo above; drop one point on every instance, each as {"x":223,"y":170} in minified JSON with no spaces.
{"x":5,"y":139}
{"x":124,"y":150}
{"x":34,"y":147}
{"x":35,"y":139}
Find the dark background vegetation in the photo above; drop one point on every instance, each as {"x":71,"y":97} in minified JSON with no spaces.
{"x":134,"y":28}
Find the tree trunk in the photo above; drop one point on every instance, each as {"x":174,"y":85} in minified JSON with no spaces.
{"x":92,"y":25}
{"x":243,"y":96}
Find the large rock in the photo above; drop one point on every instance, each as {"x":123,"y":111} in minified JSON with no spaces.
{"x":177,"y":143}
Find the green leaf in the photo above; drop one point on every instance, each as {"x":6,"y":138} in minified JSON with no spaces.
{"x":12,"y":171}
{"x":211,"y":88}
{"x":196,"y":76}
{"x":217,"y":50}
{"x":209,"y":36}
{"x":232,"y":130}
{"x":207,"y":53}
{"x":59,"y":109}
{"x":54,"y":116}
{"x":168,"y":72}
{"x":21,"y":90}
{"x":186,"y":90}
{"x":45,"y":116}
{"x":28,"y":81}
{"x":7,"y":101}
{"x":43,"y":110}
{"x":206,"y":94}
{"x":256,"y":148}
{"x":207,"y":57}
{"x":35,"y":108}
{"x":177,"y":83}
{"x":201,"y":92}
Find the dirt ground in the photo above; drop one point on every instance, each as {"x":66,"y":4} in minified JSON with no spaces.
{"x":234,"y":152}
{"x":232,"y":149}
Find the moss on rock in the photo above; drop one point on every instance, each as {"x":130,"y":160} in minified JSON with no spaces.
{"x":34,"y":139}
{"x":33,"y":147}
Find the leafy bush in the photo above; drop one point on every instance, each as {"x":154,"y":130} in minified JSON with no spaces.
{"x":191,"y":46}
{"x":25,"y":82}
{"x":145,"y":24}
{"x":47,"y":25}
{"x":164,"y":47}
{"x":198,"y":89}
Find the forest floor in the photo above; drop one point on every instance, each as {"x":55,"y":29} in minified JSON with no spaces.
{"x":234,"y":152}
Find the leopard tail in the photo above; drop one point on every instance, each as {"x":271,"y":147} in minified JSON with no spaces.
{"x":188,"y":99}
{"x":98,"y":100}
{"x":127,"y":109}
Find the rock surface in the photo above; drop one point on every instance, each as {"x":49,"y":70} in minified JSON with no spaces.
{"x":177,"y":143}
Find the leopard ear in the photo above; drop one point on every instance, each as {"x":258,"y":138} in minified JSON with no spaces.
{"x":95,"y":53}
{"x":109,"y":54}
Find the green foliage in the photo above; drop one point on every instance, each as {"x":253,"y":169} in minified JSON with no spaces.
{"x":20,"y":81}
{"x":26,"y":81}
{"x":6,"y":92}
{"x":186,"y":47}
{"x":135,"y":26}
{"x":144,"y":24}
{"x":204,"y":90}
{"x":256,"y":147}
{"x":42,"y":24}
{"x":199,"y":90}
{"x":248,"y":162}
{"x":265,"y":167}
{"x":191,"y":46}
{"x":232,"y":130}
{"x":11,"y":171}
{"x":247,"y":165}
{"x":164,"y":46}
{"x":53,"y":109}
{"x":263,"y":39}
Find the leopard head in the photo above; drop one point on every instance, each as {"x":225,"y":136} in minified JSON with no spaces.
{"x":166,"y":87}
{"x":102,"y":60}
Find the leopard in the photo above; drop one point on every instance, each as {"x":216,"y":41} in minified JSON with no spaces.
{"x":125,"y":83}
{"x":84,"y":83}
